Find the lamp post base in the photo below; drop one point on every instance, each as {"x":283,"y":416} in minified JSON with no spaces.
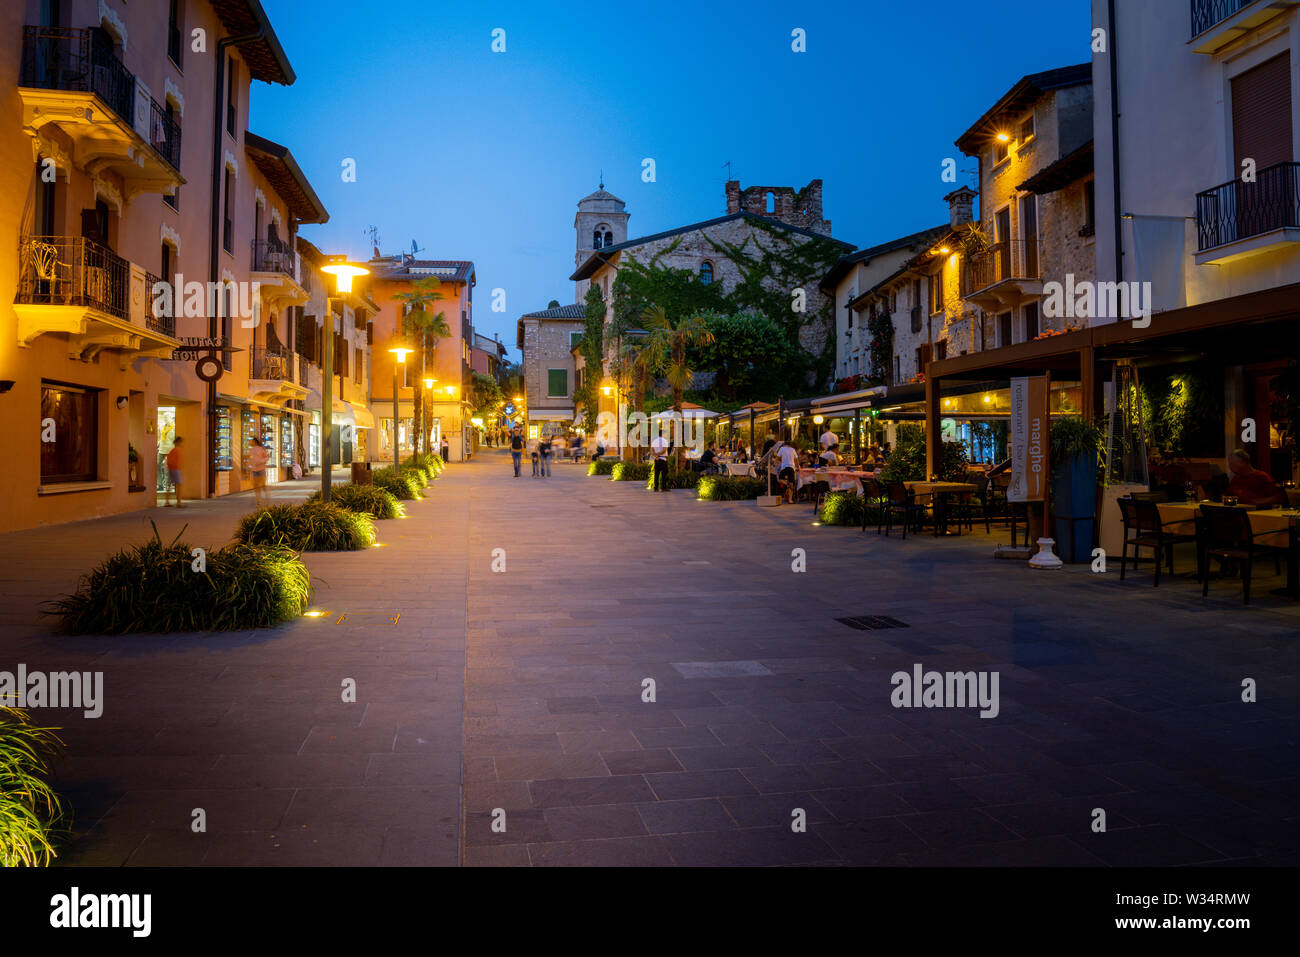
{"x":1045,"y":557}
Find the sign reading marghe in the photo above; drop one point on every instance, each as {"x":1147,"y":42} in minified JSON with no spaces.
{"x":1029,"y":430}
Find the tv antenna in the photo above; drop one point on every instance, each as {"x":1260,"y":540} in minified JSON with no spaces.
{"x":373,"y":233}
{"x":727,"y":165}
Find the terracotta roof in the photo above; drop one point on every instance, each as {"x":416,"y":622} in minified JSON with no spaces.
{"x":447,"y":270}
{"x":265,"y":57}
{"x":281,"y":169}
{"x":575,"y":311}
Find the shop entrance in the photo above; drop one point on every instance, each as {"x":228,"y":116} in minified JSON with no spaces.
{"x":166,"y":425}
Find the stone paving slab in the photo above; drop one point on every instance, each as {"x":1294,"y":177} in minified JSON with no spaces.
{"x":1112,"y":695}
{"x":519,"y":698}
{"x":250,"y":726}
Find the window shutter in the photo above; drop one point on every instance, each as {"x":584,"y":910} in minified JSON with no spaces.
{"x":1261,"y":114}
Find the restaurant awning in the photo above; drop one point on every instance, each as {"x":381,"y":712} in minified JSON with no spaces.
{"x":549,"y":415}
{"x":364,"y":418}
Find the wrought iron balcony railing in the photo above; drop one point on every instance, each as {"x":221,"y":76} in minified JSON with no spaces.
{"x":72,"y":271}
{"x":267,"y":364}
{"x":1238,"y":210}
{"x":1009,"y":259}
{"x":1207,"y":13}
{"x":272,"y":256}
{"x":165,"y":324}
{"x":56,"y":58}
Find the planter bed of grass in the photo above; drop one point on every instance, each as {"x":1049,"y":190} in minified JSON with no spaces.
{"x":30,"y":811}
{"x":155,"y":588}
{"x":378,"y":502}
{"x":309,"y":527}
{"x":730,"y":488}
{"x":674,"y":479}
{"x":400,"y":484}
{"x":630,"y":472}
{"x":602,"y":467}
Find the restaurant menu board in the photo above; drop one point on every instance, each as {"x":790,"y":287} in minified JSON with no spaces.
{"x":221,"y":443}
{"x":286,"y":442}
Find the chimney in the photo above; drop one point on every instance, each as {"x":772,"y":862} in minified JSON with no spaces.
{"x":961,"y":205}
{"x":733,"y":196}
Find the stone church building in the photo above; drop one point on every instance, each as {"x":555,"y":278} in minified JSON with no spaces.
{"x":759,"y":217}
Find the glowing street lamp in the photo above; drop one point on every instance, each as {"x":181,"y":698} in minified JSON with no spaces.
{"x":343,"y":272}
{"x":400,"y":348}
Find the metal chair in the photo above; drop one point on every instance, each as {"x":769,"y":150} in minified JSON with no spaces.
{"x":969,"y":505}
{"x":817,"y":493}
{"x":873,"y":498}
{"x":1001,"y":483}
{"x":1143,"y":517}
{"x":902,"y":501}
{"x":1227,"y":535}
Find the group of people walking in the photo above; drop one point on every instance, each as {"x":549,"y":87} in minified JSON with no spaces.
{"x":542,"y":449}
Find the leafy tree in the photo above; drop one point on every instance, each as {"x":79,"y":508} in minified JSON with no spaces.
{"x":666,"y":346}
{"x":592,"y":349}
{"x":485,"y":395}
{"x":553,"y":304}
{"x":749,"y":352}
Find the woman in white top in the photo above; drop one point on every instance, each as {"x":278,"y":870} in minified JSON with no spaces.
{"x":830,"y":456}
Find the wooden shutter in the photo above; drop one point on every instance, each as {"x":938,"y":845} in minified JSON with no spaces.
{"x":1261,"y":114}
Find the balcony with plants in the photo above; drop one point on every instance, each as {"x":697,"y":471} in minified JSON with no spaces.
{"x":999,"y":275}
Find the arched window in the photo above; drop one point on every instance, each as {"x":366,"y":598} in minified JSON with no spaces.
{"x":609,"y":238}
{"x":771,"y":202}
{"x":706,"y":272}
{"x":597,"y":240}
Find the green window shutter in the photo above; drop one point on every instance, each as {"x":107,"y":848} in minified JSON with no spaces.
{"x":557,"y":382}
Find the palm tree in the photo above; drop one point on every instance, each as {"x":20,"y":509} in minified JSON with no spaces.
{"x":665,"y":346}
{"x":427,"y":327}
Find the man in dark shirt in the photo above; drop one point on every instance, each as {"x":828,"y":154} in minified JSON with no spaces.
{"x":1250,"y":485}
{"x":516,"y":449}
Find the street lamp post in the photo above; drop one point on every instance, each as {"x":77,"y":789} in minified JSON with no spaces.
{"x":343,"y":272}
{"x":400,"y":348}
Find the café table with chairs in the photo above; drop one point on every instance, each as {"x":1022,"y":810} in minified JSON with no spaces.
{"x":1230,"y":531}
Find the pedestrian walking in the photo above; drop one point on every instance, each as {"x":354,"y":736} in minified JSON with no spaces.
{"x":444,"y":449}
{"x":659,"y":449}
{"x":516,"y":449}
{"x":544,"y":448}
{"x":257,"y":461}
{"x":174,"y":474}
{"x":533,"y":454}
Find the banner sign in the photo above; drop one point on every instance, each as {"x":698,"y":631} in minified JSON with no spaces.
{"x":1029,"y":438}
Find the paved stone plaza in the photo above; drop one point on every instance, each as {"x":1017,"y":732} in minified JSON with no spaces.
{"x":520,"y":691}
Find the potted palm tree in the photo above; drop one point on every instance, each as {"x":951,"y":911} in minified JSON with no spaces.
{"x":133,"y":465}
{"x":1076,"y":450}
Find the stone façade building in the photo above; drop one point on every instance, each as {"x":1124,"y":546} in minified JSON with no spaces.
{"x":758,"y":220}
{"x":546,"y":340}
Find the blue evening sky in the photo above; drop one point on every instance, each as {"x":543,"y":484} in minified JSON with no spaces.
{"x":483,"y":156}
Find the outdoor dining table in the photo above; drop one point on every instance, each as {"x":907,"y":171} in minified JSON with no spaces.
{"x":739,"y":468}
{"x":1273,"y":526}
{"x":839,"y":479}
{"x":939,"y":492}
